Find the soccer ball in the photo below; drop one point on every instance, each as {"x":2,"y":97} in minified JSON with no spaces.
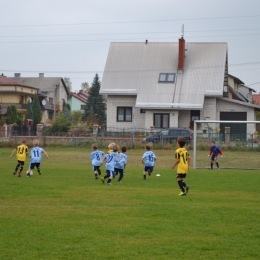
{"x":27,"y":173}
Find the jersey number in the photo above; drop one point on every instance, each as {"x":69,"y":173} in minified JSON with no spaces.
{"x":20,"y":150}
{"x":36,"y":153}
{"x":150,"y":157}
{"x":184,"y":158}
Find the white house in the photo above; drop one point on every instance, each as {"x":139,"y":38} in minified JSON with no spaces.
{"x":169,"y":85}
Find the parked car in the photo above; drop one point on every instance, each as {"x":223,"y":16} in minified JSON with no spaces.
{"x":169,"y":135}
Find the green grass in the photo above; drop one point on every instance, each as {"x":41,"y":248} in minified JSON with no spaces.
{"x":66,"y":214}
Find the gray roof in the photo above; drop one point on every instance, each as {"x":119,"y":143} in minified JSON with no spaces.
{"x":47,"y":84}
{"x":134,"y":68}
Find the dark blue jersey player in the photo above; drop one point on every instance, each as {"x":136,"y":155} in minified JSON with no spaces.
{"x":214,"y":152}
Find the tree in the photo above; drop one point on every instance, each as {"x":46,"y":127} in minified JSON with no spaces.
{"x":85,"y":86}
{"x":60,"y":124}
{"x":95,"y":110}
{"x":29,"y":112}
{"x":11,"y":114}
{"x":68,"y":84}
{"x":66,"y":110}
{"x":258,"y":115}
{"x":19,"y":118}
{"x":36,"y":109}
{"x":76,"y":117}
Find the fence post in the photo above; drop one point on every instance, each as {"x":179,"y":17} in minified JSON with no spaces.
{"x":15,"y":138}
{"x":102,"y":137}
{"x":73,"y":139}
{"x":227,"y":134}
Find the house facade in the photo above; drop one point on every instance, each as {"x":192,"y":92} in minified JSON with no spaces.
{"x":52,"y":93}
{"x":77,"y":101}
{"x":163,"y":85}
{"x":15,"y":93}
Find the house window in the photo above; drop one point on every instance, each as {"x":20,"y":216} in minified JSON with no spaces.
{"x":161,"y":120}
{"x":124,"y":114}
{"x":167,"y":77}
{"x":194,"y":115}
{"x":21,"y":99}
{"x":51,"y":101}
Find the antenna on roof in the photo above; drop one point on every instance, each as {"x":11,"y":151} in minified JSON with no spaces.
{"x":182,"y":30}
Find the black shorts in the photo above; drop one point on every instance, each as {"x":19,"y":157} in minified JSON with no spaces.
{"x":21,"y":162}
{"x":181,"y":175}
{"x":146,"y":168}
{"x":95,"y":168}
{"x":32,"y":165}
{"x":117,"y":170}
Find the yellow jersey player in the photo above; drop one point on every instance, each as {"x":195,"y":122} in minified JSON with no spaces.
{"x":183,"y":161}
{"x":21,"y":153}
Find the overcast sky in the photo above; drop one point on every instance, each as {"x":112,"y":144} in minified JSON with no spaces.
{"x":71,"y":38}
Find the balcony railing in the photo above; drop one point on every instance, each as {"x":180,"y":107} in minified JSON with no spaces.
{"x":17,"y":105}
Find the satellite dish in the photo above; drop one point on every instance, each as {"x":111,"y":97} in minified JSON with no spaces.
{"x":225,"y":89}
{"x":29,"y":99}
{"x":43,"y":102}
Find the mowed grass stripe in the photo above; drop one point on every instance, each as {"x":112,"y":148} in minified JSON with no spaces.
{"x":66,"y":214}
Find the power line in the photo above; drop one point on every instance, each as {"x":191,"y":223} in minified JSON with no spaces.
{"x":125,"y":71}
{"x":96,"y":34}
{"x":124,"y":22}
{"x":131,"y":39}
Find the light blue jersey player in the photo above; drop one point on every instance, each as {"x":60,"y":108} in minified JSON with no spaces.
{"x":111,"y":159}
{"x":97,"y":159}
{"x":36,"y":157}
{"x":120,"y":166}
{"x":148,"y":159}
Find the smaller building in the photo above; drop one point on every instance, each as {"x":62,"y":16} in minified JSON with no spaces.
{"x":15,"y":93}
{"x":256,"y":99}
{"x":78,"y":101}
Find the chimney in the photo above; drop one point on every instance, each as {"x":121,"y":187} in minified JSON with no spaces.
{"x":17,"y":75}
{"x":146,"y":41}
{"x":41,"y":75}
{"x":181,"y":54}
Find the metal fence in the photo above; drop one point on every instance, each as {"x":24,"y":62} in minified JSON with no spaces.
{"x":132,"y":138}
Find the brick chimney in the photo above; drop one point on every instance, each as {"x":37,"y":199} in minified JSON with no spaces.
{"x":181,"y":54}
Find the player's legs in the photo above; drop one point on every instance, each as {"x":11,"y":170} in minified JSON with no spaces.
{"x":111,"y":176}
{"x":106,"y":176}
{"x":144,"y":172}
{"x":216,"y":161}
{"x":116,"y":171}
{"x":31,"y":167}
{"x":182,"y":184}
{"x":95,"y":170}
{"x":16,"y":168}
{"x":38,"y":168}
{"x":121,"y":175}
{"x":212,"y":161}
{"x":21,"y":168}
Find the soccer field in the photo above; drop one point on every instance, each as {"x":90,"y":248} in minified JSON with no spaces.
{"x":66,"y":214}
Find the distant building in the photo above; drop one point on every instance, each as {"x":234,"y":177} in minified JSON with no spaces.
{"x":52,"y":92}
{"x":256,"y":99}
{"x":78,"y":101}
{"x":168,"y":84}
{"x":15,"y":93}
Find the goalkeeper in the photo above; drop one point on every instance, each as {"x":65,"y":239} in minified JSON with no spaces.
{"x":214,"y":152}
